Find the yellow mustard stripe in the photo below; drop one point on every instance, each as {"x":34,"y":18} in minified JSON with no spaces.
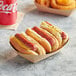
{"x":20,"y":43}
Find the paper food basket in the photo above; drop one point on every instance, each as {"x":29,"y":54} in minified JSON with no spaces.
{"x":37,"y":58}
{"x":52,"y":10}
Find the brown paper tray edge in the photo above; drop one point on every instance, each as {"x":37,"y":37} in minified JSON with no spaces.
{"x":38,"y":58}
{"x":51,"y":10}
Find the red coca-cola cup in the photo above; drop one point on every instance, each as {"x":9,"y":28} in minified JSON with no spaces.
{"x":8,"y":12}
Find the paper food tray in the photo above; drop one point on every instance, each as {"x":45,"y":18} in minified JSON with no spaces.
{"x":52,"y":10}
{"x":37,"y":58}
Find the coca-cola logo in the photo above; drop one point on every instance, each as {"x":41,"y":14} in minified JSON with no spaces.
{"x":8,"y":8}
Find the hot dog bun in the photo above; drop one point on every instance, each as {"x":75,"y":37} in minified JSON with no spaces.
{"x":20,"y":47}
{"x":23,"y":48}
{"x":51,"y":30}
{"x":58,"y":33}
{"x":42,"y":41}
{"x":39,"y":40}
{"x":48,"y":36}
